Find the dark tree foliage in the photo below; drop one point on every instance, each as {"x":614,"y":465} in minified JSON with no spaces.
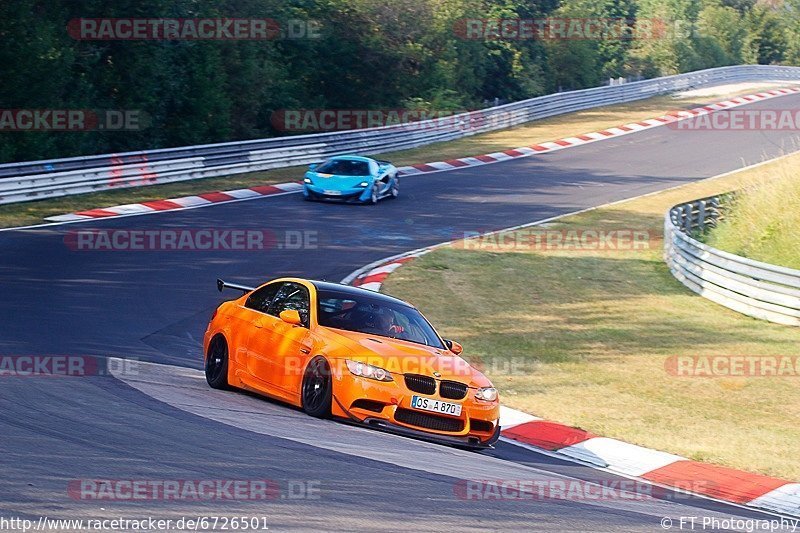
{"x":368,"y":54}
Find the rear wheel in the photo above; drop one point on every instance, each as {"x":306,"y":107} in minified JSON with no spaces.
{"x":394,"y":192}
{"x":317,"y":390}
{"x":217,"y":363}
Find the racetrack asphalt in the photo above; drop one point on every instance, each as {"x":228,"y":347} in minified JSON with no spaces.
{"x":154,"y":306}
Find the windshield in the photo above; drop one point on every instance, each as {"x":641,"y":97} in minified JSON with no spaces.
{"x":344,"y":167}
{"x":375,"y":316}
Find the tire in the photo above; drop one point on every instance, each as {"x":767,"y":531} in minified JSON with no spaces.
{"x":317,"y":390}
{"x":374,"y":196}
{"x":394,"y":192}
{"x":217,"y":364}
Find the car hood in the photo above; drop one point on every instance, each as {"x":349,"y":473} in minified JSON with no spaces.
{"x":403,"y":357}
{"x":335,"y":181}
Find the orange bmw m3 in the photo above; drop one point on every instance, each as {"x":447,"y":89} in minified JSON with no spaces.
{"x":351,"y":354}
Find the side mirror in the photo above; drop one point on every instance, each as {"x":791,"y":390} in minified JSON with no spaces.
{"x":312,"y":166}
{"x":453,"y":346}
{"x":290,"y":316}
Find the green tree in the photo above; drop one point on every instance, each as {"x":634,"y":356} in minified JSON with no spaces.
{"x":766,"y":37}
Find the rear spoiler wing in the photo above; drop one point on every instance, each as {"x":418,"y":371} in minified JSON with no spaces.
{"x":225,"y":285}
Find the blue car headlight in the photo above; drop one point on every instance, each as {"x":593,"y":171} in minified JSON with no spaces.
{"x":364,"y":184}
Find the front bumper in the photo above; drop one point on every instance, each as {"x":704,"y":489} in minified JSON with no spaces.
{"x":387,"y":406}
{"x":473,"y":442}
{"x":361,"y":194}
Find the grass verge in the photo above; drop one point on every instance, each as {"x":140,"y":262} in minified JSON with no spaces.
{"x":534,"y":132}
{"x":762,"y":224}
{"x":583,"y":337}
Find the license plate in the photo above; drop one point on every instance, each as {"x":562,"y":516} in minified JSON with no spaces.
{"x":332,"y":193}
{"x":435,"y":406}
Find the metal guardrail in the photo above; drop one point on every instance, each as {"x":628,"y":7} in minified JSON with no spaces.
{"x":20,"y":182}
{"x":757,"y":289}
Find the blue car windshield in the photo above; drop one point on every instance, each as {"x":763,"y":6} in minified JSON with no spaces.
{"x":374,"y":316}
{"x":344,"y":167}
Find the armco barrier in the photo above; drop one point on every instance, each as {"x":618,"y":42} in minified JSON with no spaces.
{"x":20,"y":182}
{"x":757,"y":289}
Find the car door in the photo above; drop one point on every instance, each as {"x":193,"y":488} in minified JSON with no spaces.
{"x":249,"y":318}
{"x":276,"y":350}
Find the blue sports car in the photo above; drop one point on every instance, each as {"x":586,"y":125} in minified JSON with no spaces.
{"x":351,"y":178}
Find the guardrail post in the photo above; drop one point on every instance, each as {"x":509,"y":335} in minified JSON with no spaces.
{"x":686,"y":212}
{"x":701,"y":215}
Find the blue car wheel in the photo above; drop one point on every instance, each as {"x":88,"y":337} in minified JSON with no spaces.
{"x":374,"y":194}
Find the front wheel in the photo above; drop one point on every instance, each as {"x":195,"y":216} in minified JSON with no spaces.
{"x":374,"y":195}
{"x":317,"y":389}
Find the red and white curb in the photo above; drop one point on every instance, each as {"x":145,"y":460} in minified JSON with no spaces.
{"x":201,"y":200}
{"x":186,"y":202}
{"x":615,"y":456}
{"x":372,"y":279}
{"x":663,"y":469}
{"x":586,"y":138}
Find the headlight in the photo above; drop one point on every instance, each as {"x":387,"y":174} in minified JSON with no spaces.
{"x":363,"y":184}
{"x":368,"y":371}
{"x":486,"y":393}
{"x":307,"y":180}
